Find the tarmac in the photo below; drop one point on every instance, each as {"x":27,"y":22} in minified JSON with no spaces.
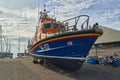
{"x":25,"y":69}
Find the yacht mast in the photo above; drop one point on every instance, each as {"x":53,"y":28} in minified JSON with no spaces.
{"x":1,"y":37}
{"x":19,"y":44}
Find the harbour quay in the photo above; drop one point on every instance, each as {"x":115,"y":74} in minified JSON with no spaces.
{"x":25,"y":69}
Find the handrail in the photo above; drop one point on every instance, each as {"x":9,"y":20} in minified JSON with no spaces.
{"x":86,"y":21}
{"x":75,"y":17}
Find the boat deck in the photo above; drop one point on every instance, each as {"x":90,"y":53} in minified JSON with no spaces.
{"x":24,"y":69}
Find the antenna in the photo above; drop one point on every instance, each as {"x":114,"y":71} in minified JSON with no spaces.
{"x":54,"y":10}
{"x":44,"y":7}
{"x":38,"y":12}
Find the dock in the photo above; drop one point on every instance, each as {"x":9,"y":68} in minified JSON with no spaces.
{"x":25,"y":69}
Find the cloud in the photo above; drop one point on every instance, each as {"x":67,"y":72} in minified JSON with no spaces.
{"x":22,"y":19}
{"x":68,"y":8}
{"x":108,"y":18}
{"x":18,"y":22}
{"x":25,"y":13}
{"x":104,"y":12}
{"x":18,"y":4}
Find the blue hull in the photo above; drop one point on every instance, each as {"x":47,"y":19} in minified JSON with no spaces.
{"x":65,"y":50}
{"x":78,"y":48}
{"x":68,"y":47}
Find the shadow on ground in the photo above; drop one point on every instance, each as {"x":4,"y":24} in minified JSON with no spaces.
{"x":92,"y":72}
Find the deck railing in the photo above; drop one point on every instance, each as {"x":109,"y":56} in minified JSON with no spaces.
{"x":84,"y":24}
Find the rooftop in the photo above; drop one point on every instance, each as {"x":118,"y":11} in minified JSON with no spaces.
{"x":109,"y":35}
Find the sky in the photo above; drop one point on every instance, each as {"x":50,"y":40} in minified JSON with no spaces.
{"x":20,"y":17}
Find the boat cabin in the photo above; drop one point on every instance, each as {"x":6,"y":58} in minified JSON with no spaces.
{"x":50,"y":26}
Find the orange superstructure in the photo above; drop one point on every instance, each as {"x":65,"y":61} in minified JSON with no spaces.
{"x":47,"y":26}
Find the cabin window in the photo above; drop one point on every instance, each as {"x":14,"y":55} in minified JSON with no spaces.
{"x":62,"y":28}
{"x":47,"y":25}
{"x":55,"y":26}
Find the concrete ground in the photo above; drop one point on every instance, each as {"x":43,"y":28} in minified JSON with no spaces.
{"x":24,"y":69}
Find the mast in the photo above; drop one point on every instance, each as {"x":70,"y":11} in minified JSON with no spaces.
{"x":24,"y":48}
{"x":9,"y":46}
{"x":44,"y":7}
{"x":1,"y":37}
{"x":19,"y":44}
{"x":3,"y":47}
{"x":54,"y":10}
{"x":38,"y":12}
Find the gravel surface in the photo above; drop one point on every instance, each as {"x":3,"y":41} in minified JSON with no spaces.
{"x":24,"y":69}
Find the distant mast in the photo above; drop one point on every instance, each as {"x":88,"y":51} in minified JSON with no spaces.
{"x":19,"y":44}
{"x":1,"y":37}
{"x":9,"y":46}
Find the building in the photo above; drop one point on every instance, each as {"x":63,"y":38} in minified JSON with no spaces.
{"x":108,"y":43}
{"x":21,"y":55}
{"x":6,"y":55}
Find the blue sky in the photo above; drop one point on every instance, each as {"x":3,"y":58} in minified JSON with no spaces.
{"x":19,"y":17}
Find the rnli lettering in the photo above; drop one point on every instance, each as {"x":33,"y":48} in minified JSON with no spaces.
{"x":44,"y":47}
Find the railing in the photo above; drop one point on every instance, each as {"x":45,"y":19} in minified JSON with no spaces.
{"x":84,"y":24}
{"x":80,"y":22}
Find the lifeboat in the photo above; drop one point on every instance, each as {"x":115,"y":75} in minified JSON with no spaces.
{"x":64,"y":44}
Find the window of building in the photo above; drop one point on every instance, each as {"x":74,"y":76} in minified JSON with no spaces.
{"x":116,"y":44}
{"x":62,"y":28}
{"x":100,"y":46}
